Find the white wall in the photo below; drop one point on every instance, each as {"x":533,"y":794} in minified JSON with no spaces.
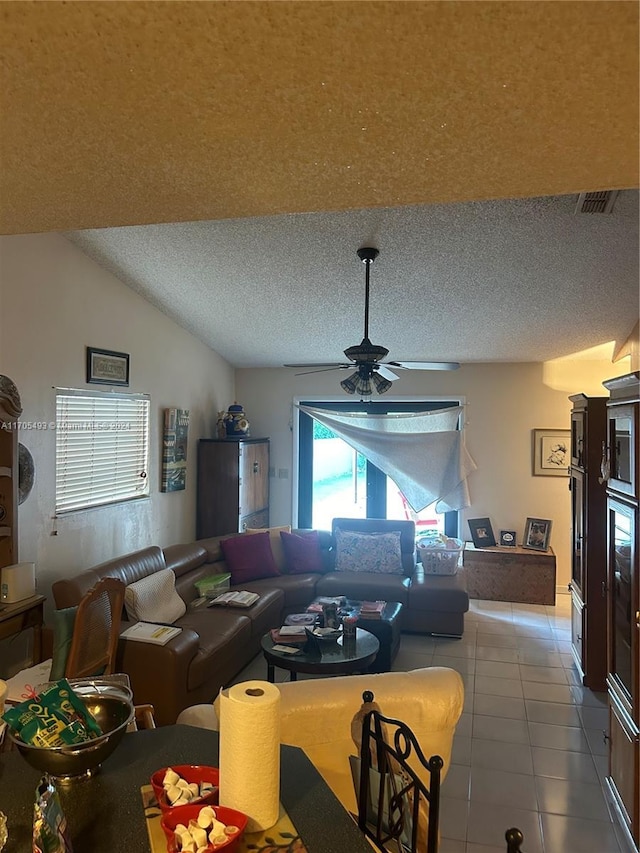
{"x":54,"y":302}
{"x":504,"y":403}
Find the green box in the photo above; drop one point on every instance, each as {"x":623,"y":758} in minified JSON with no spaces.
{"x":213,"y":584}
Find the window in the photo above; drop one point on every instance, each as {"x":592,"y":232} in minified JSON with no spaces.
{"x":335,"y":480}
{"x":102,"y":448}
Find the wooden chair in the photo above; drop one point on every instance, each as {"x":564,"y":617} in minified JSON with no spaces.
{"x":95,"y":640}
{"x":395,"y":807}
{"x":96,"y":630}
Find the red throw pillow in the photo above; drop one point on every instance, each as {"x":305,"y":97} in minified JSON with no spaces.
{"x":249,"y":558}
{"x":302,"y":553}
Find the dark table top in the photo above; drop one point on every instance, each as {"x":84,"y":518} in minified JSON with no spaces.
{"x":331,"y":658}
{"x":105,"y":814}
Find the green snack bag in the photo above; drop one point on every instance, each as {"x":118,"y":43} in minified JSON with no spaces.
{"x":45,"y":720}
{"x":50,"y":833}
{"x":75,"y":709}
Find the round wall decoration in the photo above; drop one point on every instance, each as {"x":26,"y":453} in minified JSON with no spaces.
{"x":26,"y":473}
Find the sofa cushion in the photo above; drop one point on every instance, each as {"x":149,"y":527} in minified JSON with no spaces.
{"x":274,"y":539}
{"x":249,"y":557}
{"x":377,"y":553}
{"x":154,"y":598}
{"x":302,"y":553}
{"x":365,"y":586}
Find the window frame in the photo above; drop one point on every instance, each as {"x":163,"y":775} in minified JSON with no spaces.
{"x":93,"y":434}
{"x":376,"y":480}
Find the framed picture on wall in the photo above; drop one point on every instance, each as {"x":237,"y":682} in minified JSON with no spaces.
{"x":551,"y":452}
{"x":105,"y":367}
{"x":482,"y":532}
{"x":537,"y":532}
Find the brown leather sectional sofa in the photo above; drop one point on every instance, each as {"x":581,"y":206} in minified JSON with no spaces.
{"x":217,"y":643}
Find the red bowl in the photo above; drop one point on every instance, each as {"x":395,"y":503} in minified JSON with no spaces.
{"x":183,"y":814}
{"x":191,"y":773}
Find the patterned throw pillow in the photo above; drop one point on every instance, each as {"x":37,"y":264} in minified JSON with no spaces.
{"x":378,"y":553}
{"x":302,"y":552}
{"x":249,"y":558}
{"x":154,"y":599}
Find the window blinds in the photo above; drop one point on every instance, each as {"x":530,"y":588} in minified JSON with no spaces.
{"x":102,"y":448}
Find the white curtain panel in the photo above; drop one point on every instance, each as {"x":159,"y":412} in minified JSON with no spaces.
{"x":422,"y":452}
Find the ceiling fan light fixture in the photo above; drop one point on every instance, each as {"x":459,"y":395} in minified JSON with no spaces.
{"x":349,"y":384}
{"x":382,"y":384}
{"x":363,"y":386}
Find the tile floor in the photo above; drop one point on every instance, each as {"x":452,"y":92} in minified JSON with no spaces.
{"x":529,"y":749}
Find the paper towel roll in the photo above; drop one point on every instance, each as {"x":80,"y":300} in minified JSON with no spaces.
{"x":250,"y":752}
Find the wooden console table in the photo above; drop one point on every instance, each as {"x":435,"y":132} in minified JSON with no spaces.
{"x":510,"y":574}
{"x":28,"y":613}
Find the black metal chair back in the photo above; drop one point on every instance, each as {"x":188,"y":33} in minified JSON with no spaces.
{"x":402,"y":800}
{"x":514,"y":840}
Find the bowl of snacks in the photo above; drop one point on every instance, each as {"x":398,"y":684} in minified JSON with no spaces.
{"x":185,"y":784}
{"x":203,"y":828}
{"x":68,"y":730}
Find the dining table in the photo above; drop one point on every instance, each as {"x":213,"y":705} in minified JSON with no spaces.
{"x":105,"y":812}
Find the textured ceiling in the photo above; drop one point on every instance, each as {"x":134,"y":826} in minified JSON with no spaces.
{"x":290,"y":133}
{"x":519,"y":280}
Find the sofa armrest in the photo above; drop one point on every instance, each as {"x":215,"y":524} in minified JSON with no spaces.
{"x":159,"y":674}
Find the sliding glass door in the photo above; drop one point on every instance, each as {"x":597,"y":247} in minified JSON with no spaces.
{"x":336,"y":481}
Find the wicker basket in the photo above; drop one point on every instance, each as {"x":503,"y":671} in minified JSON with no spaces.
{"x":437,"y":559}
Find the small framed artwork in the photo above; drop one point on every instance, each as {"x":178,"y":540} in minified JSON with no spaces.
{"x":551,"y":452}
{"x":508,"y":538}
{"x":537,"y":532}
{"x":174,"y":450}
{"x":482,"y":532}
{"x":105,"y":367}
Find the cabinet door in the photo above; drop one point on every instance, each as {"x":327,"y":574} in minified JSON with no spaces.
{"x":622,"y":449}
{"x":577,"y":438}
{"x":623,"y":606}
{"x":623,"y":767}
{"x":576,"y":484}
{"x":577,"y":631}
{"x":254,"y":477}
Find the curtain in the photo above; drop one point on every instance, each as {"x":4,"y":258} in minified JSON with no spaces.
{"x":422,"y":452}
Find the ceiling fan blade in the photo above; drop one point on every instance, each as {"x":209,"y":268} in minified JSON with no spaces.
{"x":316,"y":368}
{"x":319,"y":364}
{"x":425,"y":365}
{"x":383,"y":370}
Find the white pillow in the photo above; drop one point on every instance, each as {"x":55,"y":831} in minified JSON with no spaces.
{"x":154,"y":599}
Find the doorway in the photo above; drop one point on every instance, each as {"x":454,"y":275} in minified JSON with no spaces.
{"x":335,"y":481}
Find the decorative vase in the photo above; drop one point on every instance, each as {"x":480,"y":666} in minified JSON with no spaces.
{"x":236,"y":423}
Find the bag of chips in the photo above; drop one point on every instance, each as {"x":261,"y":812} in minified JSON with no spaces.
{"x":55,"y":717}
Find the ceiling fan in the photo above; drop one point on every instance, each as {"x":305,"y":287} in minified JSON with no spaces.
{"x":367,"y":357}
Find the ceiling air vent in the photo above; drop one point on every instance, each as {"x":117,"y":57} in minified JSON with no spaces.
{"x":598,"y":202}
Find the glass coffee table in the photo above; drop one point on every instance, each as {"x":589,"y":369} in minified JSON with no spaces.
{"x":337,"y":658}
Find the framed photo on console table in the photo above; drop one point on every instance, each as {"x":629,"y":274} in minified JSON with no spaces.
{"x":482,"y":532}
{"x":537,"y":532}
{"x":508,"y":538}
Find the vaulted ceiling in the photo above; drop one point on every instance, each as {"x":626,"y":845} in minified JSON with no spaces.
{"x":289,"y":133}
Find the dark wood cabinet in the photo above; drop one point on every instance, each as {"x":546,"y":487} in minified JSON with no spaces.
{"x":233,"y":485}
{"x":620,"y":469}
{"x":588,"y":540}
{"x":8,"y":496}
